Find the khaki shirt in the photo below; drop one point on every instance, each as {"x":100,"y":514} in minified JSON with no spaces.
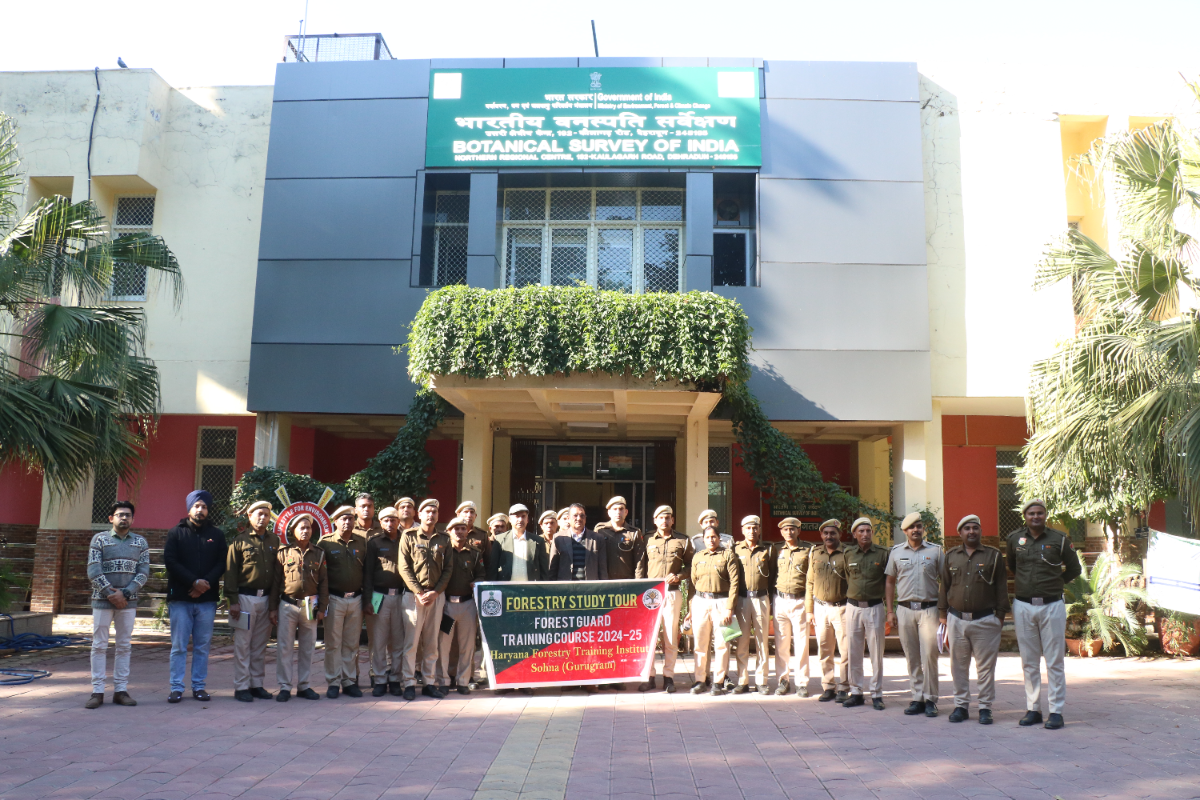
{"x":625,"y":549}
{"x":465,"y":567}
{"x":250,"y":563}
{"x":865,"y":572}
{"x":791,"y":568}
{"x":423,"y":561}
{"x":975,"y":582}
{"x":367,"y":533}
{"x":1041,"y":565}
{"x":666,"y":555}
{"x":381,"y":572}
{"x":481,"y":541}
{"x":826,"y":576}
{"x":345,"y":562}
{"x":758,"y":565}
{"x":300,"y":573}
{"x":718,"y":573}
{"x":916,"y":572}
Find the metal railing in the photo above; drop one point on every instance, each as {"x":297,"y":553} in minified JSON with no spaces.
{"x":336,"y":47}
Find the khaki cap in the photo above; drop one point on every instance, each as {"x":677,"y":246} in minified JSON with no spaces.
{"x":456,"y":522}
{"x":862,"y":521}
{"x":342,"y":511}
{"x":547,"y":514}
{"x":969,"y":518}
{"x":259,"y":504}
{"x":789,"y":522}
{"x":831,"y":523}
{"x":563,"y":512}
{"x":429,"y":501}
{"x":910,"y":520}
{"x":751,"y":519}
{"x":663,"y":509}
{"x":404,"y":500}
{"x":388,"y":512}
{"x":1028,"y":503}
{"x":465,"y":504}
{"x":618,"y":500}
{"x":497,"y":518}
{"x":517,"y":508}
{"x":296,"y":521}
{"x":707,"y":513}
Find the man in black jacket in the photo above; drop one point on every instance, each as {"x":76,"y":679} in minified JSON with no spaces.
{"x":195,"y":559}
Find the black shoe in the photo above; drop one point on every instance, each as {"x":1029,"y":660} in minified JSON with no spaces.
{"x":783,"y":688}
{"x":852,"y":701}
{"x":802,"y":691}
{"x":453,"y":684}
{"x":930,"y":708}
{"x":959,"y":714}
{"x":717,"y":690}
{"x":762,"y":689}
{"x":352,"y":690}
{"x":877,"y":704}
{"x":669,"y":685}
{"x":914,"y":708}
{"x":176,"y":697}
{"x":698,"y":687}
{"x":419,"y":677}
{"x":463,"y":690}
{"x":429,"y":690}
{"x":410,"y":693}
{"x":527,"y":691}
{"x":260,"y":693}
{"x":985,"y":716}
{"x":308,"y":694}
{"x":1054,"y":722}
{"x":395,"y":690}
{"x":201,"y":695}
{"x":379,"y":690}
{"x":283,"y":696}
{"x":332,"y":692}
{"x":472,"y":685}
{"x":741,"y":688}
{"x":618,"y":687}
{"x":842,"y":697}
{"x":1030,"y":718}
{"x":826,"y":696}
{"x":648,"y":686}
{"x":728,"y":686}
{"x":243,"y":695}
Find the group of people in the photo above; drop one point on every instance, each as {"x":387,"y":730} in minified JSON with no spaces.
{"x":412,"y":582}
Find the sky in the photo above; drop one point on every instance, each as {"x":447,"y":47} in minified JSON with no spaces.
{"x":222,"y":42}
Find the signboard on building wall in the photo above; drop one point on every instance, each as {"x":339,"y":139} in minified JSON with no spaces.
{"x":603,"y":117}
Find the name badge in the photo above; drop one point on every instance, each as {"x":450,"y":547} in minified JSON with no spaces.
{"x":1038,"y":601}
{"x":1021,"y":540}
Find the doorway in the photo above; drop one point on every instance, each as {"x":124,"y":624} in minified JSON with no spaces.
{"x":588,"y":473}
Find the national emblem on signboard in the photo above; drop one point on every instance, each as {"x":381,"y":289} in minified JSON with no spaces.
{"x":595,"y":76}
{"x":491,"y":604}
{"x":652,"y":599}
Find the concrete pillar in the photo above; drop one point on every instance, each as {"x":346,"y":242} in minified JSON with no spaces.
{"x":272,"y":440}
{"x":934,"y":484}
{"x":874,"y":472}
{"x":699,"y":253}
{"x":477,"y":462}
{"x":917,"y":447}
{"x":695,"y":471}
{"x":481,"y":231}
{"x":501,"y":473}
{"x":62,"y":519}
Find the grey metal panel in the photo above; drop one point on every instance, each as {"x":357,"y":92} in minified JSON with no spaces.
{"x":825,"y":384}
{"x":620,"y":62}
{"x":840,"y":139}
{"x":482,"y":272}
{"x":841,"y":222}
{"x":466,"y":63}
{"x":842,"y":80}
{"x":685,"y":62}
{"x":300,"y":378}
{"x":532,"y":63}
{"x":792,"y":308}
{"x":699,"y":214}
{"x":697,"y":274}
{"x":732,"y":62}
{"x":481,"y":216}
{"x":347,"y":139}
{"x":418,"y":215}
{"x":340,"y":218}
{"x":293,"y":302}
{"x":352,"y":80}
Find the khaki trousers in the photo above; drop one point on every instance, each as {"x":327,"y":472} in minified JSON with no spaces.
{"x":864,"y":631}
{"x":753,"y":613}
{"x":250,"y":646}
{"x":979,"y":638}
{"x":918,"y":637}
{"x":791,"y":627}
{"x":385,"y":640}
{"x":421,"y":629}
{"x":706,"y":616}
{"x":669,"y":632}
{"x":831,"y":632}
{"x":343,"y":627}
{"x":1042,"y":632}
{"x":292,"y":627}
{"x":462,"y":635}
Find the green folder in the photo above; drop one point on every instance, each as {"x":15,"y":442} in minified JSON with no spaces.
{"x":376,"y":601}
{"x":731,"y":631}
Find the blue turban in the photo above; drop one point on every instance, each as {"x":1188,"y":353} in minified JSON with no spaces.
{"x":200,"y":494}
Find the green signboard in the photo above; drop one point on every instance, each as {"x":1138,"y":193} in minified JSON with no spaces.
{"x":604,"y":117}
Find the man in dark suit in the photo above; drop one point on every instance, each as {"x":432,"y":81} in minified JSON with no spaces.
{"x":579,"y":554}
{"x":519,"y":554}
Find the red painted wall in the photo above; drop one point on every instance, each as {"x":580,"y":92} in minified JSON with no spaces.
{"x":335,"y":459}
{"x":1157,"y":518}
{"x":300,"y":456}
{"x":969,"y":487}
{"x":983,"y":430}
{"x":20,"y":496}
{"x":835,"y":461}
{"x":443,"y":478}
{"x":170,"y":469}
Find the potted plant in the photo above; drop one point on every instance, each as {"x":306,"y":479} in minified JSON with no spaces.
{"x":1178,"y":632}
{"x":1101,"y":605}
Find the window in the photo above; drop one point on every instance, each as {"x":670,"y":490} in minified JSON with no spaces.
{"x":450,"y":237}
{"x":1007,"y":461}
{"x":215,"y":468}
{"x":134,"y":215}
{"x":104,"y":494}
{"x":719,"y":473}
{"x":733,"y":229}
{"x":628,"y":240}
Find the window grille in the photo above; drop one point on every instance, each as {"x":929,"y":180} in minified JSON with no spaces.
{"x":626,"y":240}
{"x":104,"y":494}
{"x":719,"y":460}
{"x":450,"y":237}
{"x":133,"y":215}
{"x":1009,"y":498}
{"x":216,"y":468}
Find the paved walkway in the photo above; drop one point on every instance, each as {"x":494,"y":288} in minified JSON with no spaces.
{"x":1133,"y":730}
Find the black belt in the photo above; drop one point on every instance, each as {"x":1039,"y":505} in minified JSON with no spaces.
{"x":292,"y":600}
{"x":917,"y":605}
{"x":863,"y":603}
{"x":459,"y":598}
{"x":752,"y":593}
{"x":790,"y":596}
{"x":713,"y":595}
{"x":1041,"y":601}
{"x":253,"y":592}
{"x":836,"y":603}
{"x":346,"y":595}
{"x":971,"y":616}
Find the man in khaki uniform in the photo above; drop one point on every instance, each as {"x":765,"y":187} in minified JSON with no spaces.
{"x":364,"y":517}
{"x":791,"y":614}
{"x":345,"y":554}
{"x":825,"y":601}
{"x":406,"y":507}
{"x":912,"y":571}
{"x":385,"y":621}
{"x":249,"y":578}
{"x":426,"y":574}
{"x":717,"y":579}
{"x":625,"y":542}
{"x":299,"y":597}
{"x":754,"y":604}
{"x":1043,"y":561}
{"x":668,"y":557}
{"x":465,"y":565}
{"x":971,"y":604}
{"x":866,"y":616}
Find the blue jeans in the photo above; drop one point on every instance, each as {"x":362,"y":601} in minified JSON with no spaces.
{"x":190,"y":621}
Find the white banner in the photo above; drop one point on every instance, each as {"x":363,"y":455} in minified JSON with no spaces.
{"x":1173,"y":572}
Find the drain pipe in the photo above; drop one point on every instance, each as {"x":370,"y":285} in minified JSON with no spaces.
{"x":92,"y":131}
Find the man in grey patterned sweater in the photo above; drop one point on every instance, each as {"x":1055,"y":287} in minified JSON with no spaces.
{"x":118,"y":567}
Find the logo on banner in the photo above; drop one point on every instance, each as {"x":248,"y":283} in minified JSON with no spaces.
{"x":652,"y":599}
{"x":595,"y":76}
{"x":491,"y":603}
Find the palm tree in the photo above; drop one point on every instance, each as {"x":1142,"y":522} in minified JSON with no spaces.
{"x":77,"y":392}
{"x":1114,"y":413}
